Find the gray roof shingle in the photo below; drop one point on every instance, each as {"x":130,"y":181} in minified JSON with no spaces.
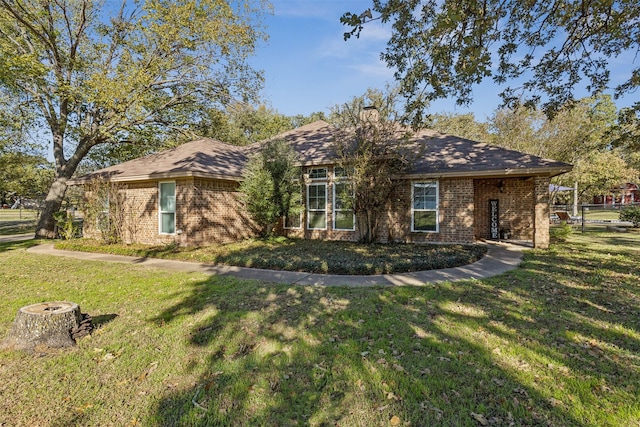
{"x":202,"y":158}
{"x":440,"y":155}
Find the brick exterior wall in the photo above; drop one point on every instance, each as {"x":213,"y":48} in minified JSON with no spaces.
{"x":542,"y":212}
{"x":211,"y":211}
{"x":207,"y":211}
{"x":455,"y":214}
{"x":523,"y":207}
{"x":140,"y":214}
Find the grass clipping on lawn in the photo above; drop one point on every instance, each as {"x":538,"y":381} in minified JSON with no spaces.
{"x":552,"y":343}
{"x":312,"y":256}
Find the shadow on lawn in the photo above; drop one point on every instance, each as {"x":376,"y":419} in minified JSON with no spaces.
{"x":280,"y":355}
{"x":22,"y":244}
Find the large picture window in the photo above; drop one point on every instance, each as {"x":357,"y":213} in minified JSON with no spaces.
{"x":343,"y":218}
{"x":317,"y":206}
{"x":424,"y":207}
{"x":167,"y":208}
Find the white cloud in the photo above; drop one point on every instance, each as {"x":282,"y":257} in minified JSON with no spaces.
{"x":298,"y":9}
{"x":374,"y":68}
{"x":326,"y":9}
{"x":372,"y":39}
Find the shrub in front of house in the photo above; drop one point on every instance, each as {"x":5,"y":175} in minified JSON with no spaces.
{"x":560,"y":234}
{"x":631,"y":214}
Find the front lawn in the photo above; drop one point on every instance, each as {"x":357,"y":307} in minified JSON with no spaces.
{"x":555,"y":342}
{"x":313,"y":256}
{"x":17,"y":221}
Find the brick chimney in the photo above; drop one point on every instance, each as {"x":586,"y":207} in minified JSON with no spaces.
{"x":370,"y":114}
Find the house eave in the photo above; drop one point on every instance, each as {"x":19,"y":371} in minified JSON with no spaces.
{"x":153,"y":177}
{"x":495,"y":173}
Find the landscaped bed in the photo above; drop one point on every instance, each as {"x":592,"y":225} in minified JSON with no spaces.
{"x":311,"y":256}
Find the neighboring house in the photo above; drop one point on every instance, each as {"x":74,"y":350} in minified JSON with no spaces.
{"x":458,"y":191}
{"x":625,"y":194}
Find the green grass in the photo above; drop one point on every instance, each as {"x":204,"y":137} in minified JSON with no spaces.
{"x":602,"y":215}
{"x":17,"y":214}
{"x":554,"y":342}
{"x":312,"y":256}
{"x":17,"y":221}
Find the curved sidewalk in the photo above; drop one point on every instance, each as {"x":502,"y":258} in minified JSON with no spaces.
{"x":500,"y":258}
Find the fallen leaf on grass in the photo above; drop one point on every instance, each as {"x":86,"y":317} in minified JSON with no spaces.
{"x":395,"y":420}
{"x":497,"y":381}
{"x":555,"y":402}
{"x":522,"y":391}
{"x":152,"y":367}
{"x":81,"y":409}
{"x":391,"y":396}
{"x":480,"y":419}
{"x":398,"y":367}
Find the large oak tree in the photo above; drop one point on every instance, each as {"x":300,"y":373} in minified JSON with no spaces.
{"x":544,"y":47}
{"x":97,"y":74}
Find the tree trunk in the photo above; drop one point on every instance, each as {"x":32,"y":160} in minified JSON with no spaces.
{"x":46,"y":227}
{"x":366,"y":226}
{"x":46,"y":324}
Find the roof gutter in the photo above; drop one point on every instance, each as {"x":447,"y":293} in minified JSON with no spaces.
{"x":151,"y":177}
{"x":496,"y":173}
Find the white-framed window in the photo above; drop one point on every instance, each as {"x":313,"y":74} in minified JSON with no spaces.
{"x":317,"y":173}
{"x":343,"y":217}
{"x":424,"y":206}
{"x":317,"y":206}
{"x":167,"y":207}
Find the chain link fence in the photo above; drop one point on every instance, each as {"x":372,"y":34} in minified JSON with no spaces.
{"x":591,"y":217}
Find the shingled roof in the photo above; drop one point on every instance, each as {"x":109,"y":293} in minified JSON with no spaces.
{"x":205,"y":158}
{"x":448,"y":155}
{"x":440,"y":155}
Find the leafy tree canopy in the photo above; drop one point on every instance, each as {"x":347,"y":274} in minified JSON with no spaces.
{"x":272,"y":185}
{"x":24,"y":176}
{"x":582,"y":135}
{"x":97,"y":75}
{"x":373,"y":151}
{"x":462,"y":125}
{"x":238,"y":123}
{"x":441,"y":49}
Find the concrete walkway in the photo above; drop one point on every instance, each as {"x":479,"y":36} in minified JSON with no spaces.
{"x":500,"y":258}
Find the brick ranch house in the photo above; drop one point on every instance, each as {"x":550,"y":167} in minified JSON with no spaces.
{"x":459,"y":191}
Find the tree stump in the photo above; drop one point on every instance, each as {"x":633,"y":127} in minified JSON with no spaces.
{"x":45,"y":324}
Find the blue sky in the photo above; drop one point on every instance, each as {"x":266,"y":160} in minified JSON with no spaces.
{"x":309,"y":67}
